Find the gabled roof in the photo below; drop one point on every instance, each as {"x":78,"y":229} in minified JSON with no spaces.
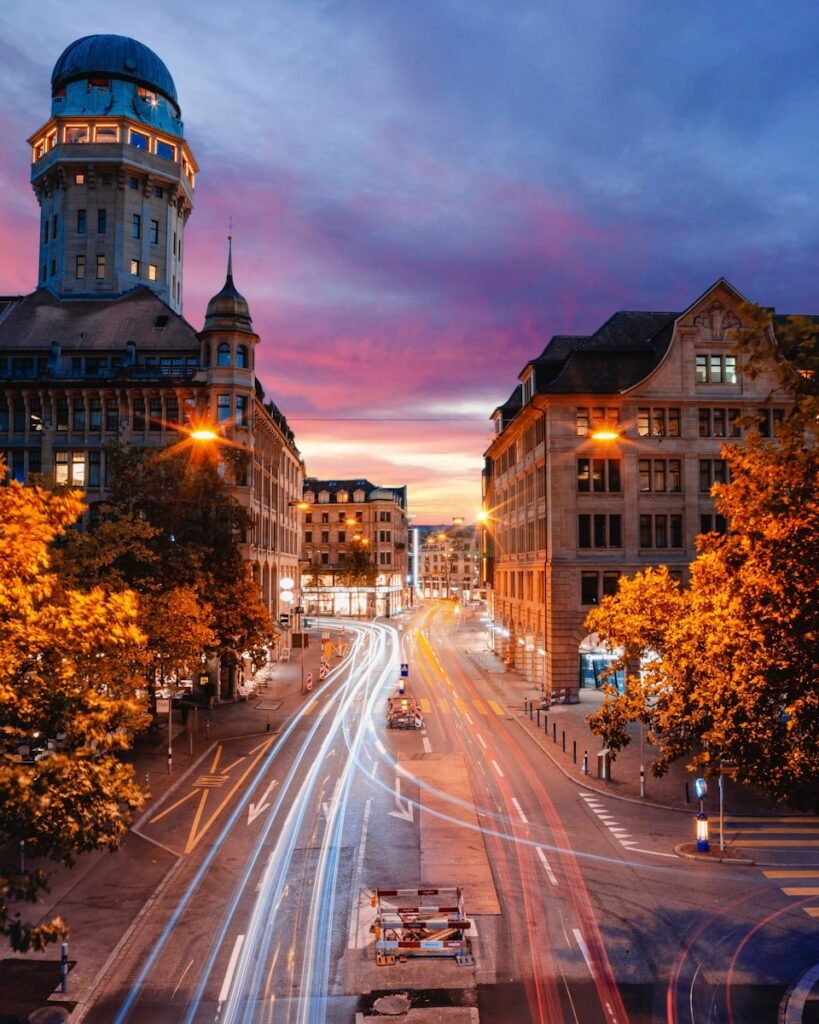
{"x":37,"y":320}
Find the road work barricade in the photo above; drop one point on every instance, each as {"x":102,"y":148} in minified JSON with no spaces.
{"x":420,"y":922}
{"x":403,"y":712}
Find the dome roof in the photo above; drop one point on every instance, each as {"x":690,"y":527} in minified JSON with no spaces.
{"x":228,"y":309}
{"x":117,"y":56}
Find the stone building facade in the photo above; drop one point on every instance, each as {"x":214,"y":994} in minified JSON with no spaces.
{"x":100,"y":354}
{"x":340,"y":516}
{"x":449,"y":564}
{"x":602,"y":464}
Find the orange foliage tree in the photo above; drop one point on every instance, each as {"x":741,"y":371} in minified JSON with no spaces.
{"x":70,"y":698}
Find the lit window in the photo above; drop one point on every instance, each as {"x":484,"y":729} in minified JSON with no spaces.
{"x":76,"y":133}
{"x":138,"y":140}
{"x":79,"y":179}
{"x":152,"y":272}
{"x":147,"y":94}
{"x":135,"y":268}
{"x":98,"y":83}
{"x":79,"y":271}
{"x":107,"y":133}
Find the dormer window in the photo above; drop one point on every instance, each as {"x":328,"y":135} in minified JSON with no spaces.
{"x":528,"y":388}
{"x":716,"y":369}
{"x":342,"y":496}
{"x":358,"y":496}
{"x":147,"y":94}
{"x":309,"y":497}
{"x":324,"y":497}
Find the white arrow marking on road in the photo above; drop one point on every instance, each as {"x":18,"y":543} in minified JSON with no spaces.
{"x":404,"y":811}
{"x":254,"y":810}
{"x":328,"y":803}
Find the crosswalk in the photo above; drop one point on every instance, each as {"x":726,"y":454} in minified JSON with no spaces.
{"x":789,"y":841}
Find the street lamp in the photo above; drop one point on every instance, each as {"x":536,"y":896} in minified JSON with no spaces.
{"x":701,"y":789}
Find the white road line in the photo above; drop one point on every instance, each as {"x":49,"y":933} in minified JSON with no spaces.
{"x":466,"y":716}
{"x":481,"y":740}
{"x":546,"y":866}
{"x":380,"y":746}
{"x":498,"y":769}
{"x":231,"y":967}
{"x":654,"y":853}
{"x":519,"y":809}
{"x":584,"y":949}
{"x":427,"y":745}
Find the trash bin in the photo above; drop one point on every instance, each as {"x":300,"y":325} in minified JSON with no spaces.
{"x":604,"y":764}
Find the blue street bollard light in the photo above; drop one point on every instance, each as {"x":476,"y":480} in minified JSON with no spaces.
{"x":702,"y":832}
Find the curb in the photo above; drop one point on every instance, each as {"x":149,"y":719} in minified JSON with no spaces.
{"x":682,"y":850}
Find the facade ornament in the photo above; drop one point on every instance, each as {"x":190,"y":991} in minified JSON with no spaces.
{"x":715,"y":321}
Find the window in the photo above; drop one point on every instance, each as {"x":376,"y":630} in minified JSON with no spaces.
{"x":111,"y":415}
{"x":80,"y":222}
{"x":135,"y":268}
{"x":76,"y":133}
{"x":95,"y":415}
{"x":713,"y":524}
{"x":98,"y":83}
{"x":611,"y":581}
{"x":308,"y":536}
{"x":325,"y":536}
{"x":589,"y":584}
{"x":660,"y":475}
{"x":716,"y":369}
{"x":241,"y":410}
{"x":139,"y":414}
{"x":78,"y":469}
{"x":94,"y":469}
{"x":133,"y":183}
{"x":172,"y":409}
{"x":599,"y":531}
{"x":79,"y":267}
{"x":342,"y":497}
{"x":324,"y":497}
{"x":61,"y":467}
{"x":159,"y":191}
{"x":45,"y":231}
{"x":325,"y":558}
{"x":325,"y":517}
{"x":598,"y":475}
{"x":53,"y":267}
{"x":308,"y":518}
{"x":152,"y":272}
{"x":79,"y":179}
{"x":54,"y":223}
{"x":661,"y":531}
{"x":19,"y":416}
{"x":712,"y":471}
{"x":100,"y":268}
{"x":222,"y":408}
{"x":106,"y":133}
{"x":138,"y":140}
{"x":154,"y":412}
{"x":78,"y":419}
{"x":770,"y":422}
{"x":385,"y":557}
{"x":223,"y":354}
{"x":658,"y":422}
{"x":62,"y":413}
{"x":241,"y":357}
{"x":385,"y":536}
{"x":342,"y":536}
{"x":154,"y":236}
{"x":165,"y":150}
{"x":718,"y":422}
{"x":69,"y":468}
{"x":383,"y":516}
{"x":146,"y":94}
{"x":136,"y":225}
{"x":102,"y":221}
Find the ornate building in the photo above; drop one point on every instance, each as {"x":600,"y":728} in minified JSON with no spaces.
{"x":449,"y":564}
{"x":602,"y":464}
{"x":100,"y":353}
{"x":348,"y":524}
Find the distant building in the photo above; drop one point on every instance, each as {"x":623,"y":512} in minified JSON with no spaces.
{"x":602,"y":464}
{"x":449,"y":564}
{"x":100,"y":353}
{"x":351,"y":523}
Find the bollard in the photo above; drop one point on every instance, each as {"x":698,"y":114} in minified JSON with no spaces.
{"x":22,"y":856}
{"x":687,"y":794}
{"x":585,"y":762}
{"x":546,"y":724}
{"x":538,"y":718}
{"x":267,"y":724}
{"x":147,"y":780}
{"x":554,"y":732}
{"x":64,"y":968}
{"x":574,"y":751}
{"x":190,"y":744}
{"x":531,"y":706}
{"x":170,"y":761}
{"x":564,"y":740}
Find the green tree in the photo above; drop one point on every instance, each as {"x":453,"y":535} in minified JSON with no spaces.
{"x":728,"y":665}
{"x":70,"y":671}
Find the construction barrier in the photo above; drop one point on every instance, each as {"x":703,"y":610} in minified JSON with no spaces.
{"x":420,"y":922}
{"x":404,"y":712}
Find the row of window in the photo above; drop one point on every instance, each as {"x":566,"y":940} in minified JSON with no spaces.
{"x":342,"y":516}
{"x":28,"y":367}
{"x":662,"y":421}
{"x":95,"y":414}
{"x":655,"y":475}
{"x":384,"y":557}
{"x":232,"y":407}
{"x":606,"y":531}
{"x":384,"y":537}
{"x":73,"y":134}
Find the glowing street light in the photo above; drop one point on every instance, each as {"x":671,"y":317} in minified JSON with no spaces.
{"x":204,"y":434}
{"x":605,"y":434}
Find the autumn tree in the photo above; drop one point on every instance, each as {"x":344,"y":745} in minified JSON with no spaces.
{"x":726,"y":668}
{"x":70,"y":699}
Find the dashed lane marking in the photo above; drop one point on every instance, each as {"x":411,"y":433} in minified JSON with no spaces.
{"x":497,"y":708}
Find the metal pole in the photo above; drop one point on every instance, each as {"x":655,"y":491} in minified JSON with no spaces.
{"x":642,"y":762}
{"x":721,"y":813}
{"x":64,"y":968}
{"x":22,"y":856}
{"x":170,"y":743}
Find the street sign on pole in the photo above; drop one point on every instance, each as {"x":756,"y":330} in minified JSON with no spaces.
{"x":163,"y":705}
{"x":404,"y":669}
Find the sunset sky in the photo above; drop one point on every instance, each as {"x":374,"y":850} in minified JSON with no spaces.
{"x":424,"y":191}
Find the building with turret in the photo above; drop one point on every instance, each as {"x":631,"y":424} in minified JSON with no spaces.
{"x":100,"y":353}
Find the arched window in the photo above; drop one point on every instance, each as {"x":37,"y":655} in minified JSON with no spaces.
{"x":223,"y":354}
{"x":241,"y":357}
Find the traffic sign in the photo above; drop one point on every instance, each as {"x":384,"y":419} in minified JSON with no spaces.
{"x":163,"y":705}
{"x":284,"y":619}
{"x":309,"y":681}
{"x":404,"y":670}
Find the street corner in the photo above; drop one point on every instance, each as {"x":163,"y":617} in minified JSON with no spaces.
{"x":713,"y":855}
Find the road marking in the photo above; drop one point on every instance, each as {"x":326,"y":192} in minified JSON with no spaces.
{"x":254,"y":810}
{"x":808,"y":890}
{"x":359,"y":867}
{"x":653,"y":853}
{"x":427,"y":745}
{"x":231,"y":967}
{"x":786,"y":818}
{"x":519,"y":809}
{"x":498,"y":769}
{"x":309,"y":708}
{"x":793,"y":873}
{"x":480,"y":707}
{"x":426,"y":707}
{"x":546,"y":866}
{"x":173,"y":807}
{"x":403,"y":812}
{"x":497,"y":708}
{"x":482,"y":741}
{"x":182,"y":978}
{"x":778,"y":842}
{"x":584,"y":949}
{"x":381,"y":747}
{"x":799,"y":996}
{"x":468,"y":717}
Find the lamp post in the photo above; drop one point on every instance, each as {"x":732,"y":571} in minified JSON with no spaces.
{"x":701,"y":789}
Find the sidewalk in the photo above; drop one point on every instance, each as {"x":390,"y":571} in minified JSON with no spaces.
{"x":102,"y":896}
{"x":566,"y":725}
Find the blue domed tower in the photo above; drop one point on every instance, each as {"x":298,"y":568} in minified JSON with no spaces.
{"x":112,"y":173}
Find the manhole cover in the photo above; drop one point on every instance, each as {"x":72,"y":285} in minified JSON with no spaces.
{"x":392,"y":1006}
